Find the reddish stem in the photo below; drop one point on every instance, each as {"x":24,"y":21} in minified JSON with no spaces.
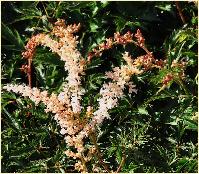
{"x":180,"y":12}
{"x":29,"y":72}
{"x":122,"y":161}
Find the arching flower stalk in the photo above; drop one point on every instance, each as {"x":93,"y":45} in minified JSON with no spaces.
{"x":66,"y":106}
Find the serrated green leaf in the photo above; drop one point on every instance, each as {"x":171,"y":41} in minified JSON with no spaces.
{"x":13,"y":37}
{"x":93,"y":27}
{"x":95,"y":63}
{"x":142,"y":111}
{"x":12,"y":119}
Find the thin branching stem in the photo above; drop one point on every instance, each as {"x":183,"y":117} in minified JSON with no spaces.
{"x":143,"y":47}
{"x":98,"y":154}
{"x":182,"y":85}
{"x":122,"y":161}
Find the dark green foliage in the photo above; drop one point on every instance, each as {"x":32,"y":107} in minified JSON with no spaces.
{"x":156,"y":128}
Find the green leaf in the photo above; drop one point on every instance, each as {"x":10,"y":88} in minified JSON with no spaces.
{"x":95,"y":10}
{"x":11,"y":47}
{"x":191,"y":124}
{"x":93,"y":27}
{"x":119,"y":154}
{"x":13,"y":37}
{"x":94,"y":64}
{"x":22,"y":18}
{"x":165,"y":7}
{"x":13,"y":120}
{"x":142,"y":111}
{"x":181,"y":164}
{"x":31,"y":11}
{"x":120,"y":23}
{"x":95,"y":80}
{"x":111,"y":150}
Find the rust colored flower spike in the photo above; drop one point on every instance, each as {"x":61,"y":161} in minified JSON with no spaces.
{"x":146,"y":61}
{"x":30,"y":48}
{"x":25,"y":69}
{"x":167,"y":79}
{"x":119,"y":39}
{"x":140,"y":38}
{"x":123,"y":39}
{"x":159,"y":63}
{"x":109,"y":43}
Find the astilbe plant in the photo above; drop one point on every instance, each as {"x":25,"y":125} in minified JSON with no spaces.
{"x":78,"y":126}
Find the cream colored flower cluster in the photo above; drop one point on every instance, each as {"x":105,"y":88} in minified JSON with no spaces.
{"x":67,"y":104}
{"x":65,"y":47}
{"x":69,"y":121}
{"x":112,"y":91}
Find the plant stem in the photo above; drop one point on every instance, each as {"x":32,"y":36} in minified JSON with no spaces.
{"x":98,"y":154}
{"x":55,"y":11}
{"x":183,"y":86}
{"x":122,"y":162}
{"x":84,"y":164}
{"x":45,"y":9}
{"x":180,"y":12}
{"x":143,"y":47}
{"x":29,"y":73}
